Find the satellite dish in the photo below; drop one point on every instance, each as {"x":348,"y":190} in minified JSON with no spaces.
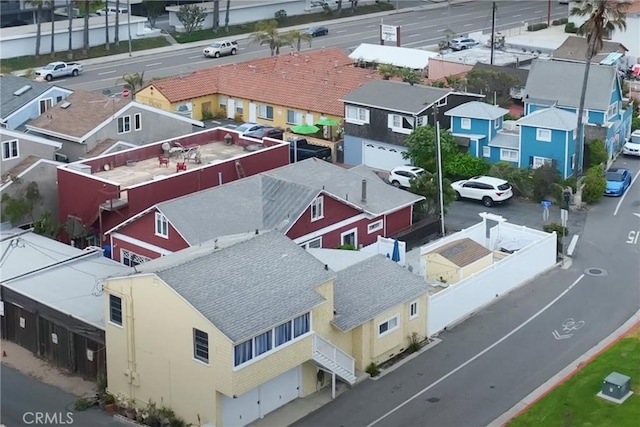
{"x":166,"y":146}
{"x":106,"y":167}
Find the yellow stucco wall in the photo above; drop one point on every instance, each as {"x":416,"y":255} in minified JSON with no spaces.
{"x":154,"y":98}
{"x":441,"y":269}
{"x":475,"y":267}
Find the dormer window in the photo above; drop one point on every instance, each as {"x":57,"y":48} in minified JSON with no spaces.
{"x":162,"y":226}
{"x":317,"y":208}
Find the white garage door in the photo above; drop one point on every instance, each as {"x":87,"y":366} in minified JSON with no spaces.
{"x":261,"y":400}
{"x":383,"y":157}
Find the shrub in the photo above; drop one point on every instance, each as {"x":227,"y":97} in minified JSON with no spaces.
{"x":537,"y":27}
{"x":281,"y":16}
{"x":571,"y":182}
{"x":510,"y":116}
{"x":221,"y":114}
{"x":594,"y":185}
{"x":207,"y":115}
{"x":520,"y":179}
{"x":373,"y":369}
{"x":560,"y":21}
{"x":414,"y":343}
{"x":346,"y":247}
{"x":597,"y":152}
{"x":560,"y":232}
{"x":83,"y":403}
{"x":543,"y":181}
{"x":571,"y":28}
{"x":464,"y":165}
{"x":635,"y":124}
{"x":237,"y":117}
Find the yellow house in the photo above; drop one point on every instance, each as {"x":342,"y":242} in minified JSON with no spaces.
{"x":280,"y":91}
{"x":225,"y":336}
{"x":456,"y":260}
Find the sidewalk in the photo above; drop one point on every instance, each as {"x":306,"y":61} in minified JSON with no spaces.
{"x":566,"y":373}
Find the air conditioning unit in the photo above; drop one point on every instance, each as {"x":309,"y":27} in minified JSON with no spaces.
{"x":59,"y":157}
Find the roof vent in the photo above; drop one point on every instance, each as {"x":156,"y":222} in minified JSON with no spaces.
{"x":65,"y":105}
{"x":283,"y":74}
{"x":22,"y":90}
{"x":335,"y":64}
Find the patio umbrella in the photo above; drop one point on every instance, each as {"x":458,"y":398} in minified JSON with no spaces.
{"x":396,"y":252}
{"x":327,"y":122}
{"x":305,"y":129}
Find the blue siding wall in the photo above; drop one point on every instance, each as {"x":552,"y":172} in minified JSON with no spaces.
{"x":32,"y":110}
{"x":478,"y":126}
{"x":496,"y":125}
{"x":352,"y":150}
{"x":594,"y":116}
{"x":555,"y":149}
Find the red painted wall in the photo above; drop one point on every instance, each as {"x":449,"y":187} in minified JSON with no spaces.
{"x":144,"y":229}
{"x":398,"y":221}
{"x":120,"y":244}
{"x":332,"y":239}
{"x":81,"y":195}
{"x":334,"y":211}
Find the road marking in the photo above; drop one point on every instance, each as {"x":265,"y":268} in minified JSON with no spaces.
{"x":482,"y":353}
{"x":538,"y":11}
{"x":557,"y":336}
{"x":107,"y":72}
{"x":625,"y":194}
{"x":400,"y":21}
{"x":414,"y":35}
{"x":154,"y":64}
{"x":443,"y":30}
{"x":196,"y":56}
{"x":370,"y":26}
{"x":572,"y":245}
{"x":468,"y":25}
{"x":515,"y":16}
{"x":341,"y":31}
{"x":568,"y":325}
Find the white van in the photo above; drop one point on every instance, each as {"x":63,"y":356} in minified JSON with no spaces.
{"x":112,"y":11}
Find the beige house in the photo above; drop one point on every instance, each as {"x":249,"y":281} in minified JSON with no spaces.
{"x":456,"y":261}
{"x":224,"y":336}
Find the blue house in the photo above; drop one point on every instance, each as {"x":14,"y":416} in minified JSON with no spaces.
{"x":559,"y":84}
{"x":481,"y":124}
{"x":23,"y":99}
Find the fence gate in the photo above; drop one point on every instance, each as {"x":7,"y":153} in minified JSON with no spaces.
{"x":20,"y":327}
{"x":55,"y":344}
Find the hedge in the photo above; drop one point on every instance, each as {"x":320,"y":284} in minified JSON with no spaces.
{"x":570,"y":27}
{"x":537,"y":27}
{"x":561,"y":21}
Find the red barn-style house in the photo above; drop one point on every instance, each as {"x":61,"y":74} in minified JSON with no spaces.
{"x":314,"y":203}
{"x":97,"y":194}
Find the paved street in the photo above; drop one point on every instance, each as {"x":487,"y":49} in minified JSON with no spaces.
{"x":419,"y":29}
{"x":24,"y":396}
{"x":488,"y":363}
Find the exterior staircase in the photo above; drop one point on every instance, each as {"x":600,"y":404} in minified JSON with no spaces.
{"x":330,"y":357}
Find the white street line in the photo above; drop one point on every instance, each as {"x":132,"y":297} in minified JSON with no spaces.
{"x":573,"y":244}
{"x":538,"y":11}
{"x":483,"y":352}
{"x":516,"y":16}
{"x":442,"y":30}
{"x":625,"y":194}
{"x":341,"y":31}
{"x":400,"y":21}
{"x":107,"y":72}
{"x":154,"y":64}
{"x":414,"y":35}
{"x":468,"y":25}
{"x":64,"y":80}
{"x":370,"y":26}
{"x":194,"y":57}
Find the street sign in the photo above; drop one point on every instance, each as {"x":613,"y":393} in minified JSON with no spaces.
{"x":545,"y":203}
{"x":125,"y":93}
{"x":388,"y":33}
{"x":545,"y":210}
{"x":564,"y":217}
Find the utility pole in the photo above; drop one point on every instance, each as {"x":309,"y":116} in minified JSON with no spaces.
{"x":548,"y":13}
{"x":493,"y":30}
{"x":439,"y":170}
{"x":129,"y":23}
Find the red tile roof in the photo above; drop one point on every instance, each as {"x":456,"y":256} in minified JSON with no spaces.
{"x":311,"y":81}
{"x":634,"y":7}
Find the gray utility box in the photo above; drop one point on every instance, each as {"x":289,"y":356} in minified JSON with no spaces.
{"x":616,"y":385}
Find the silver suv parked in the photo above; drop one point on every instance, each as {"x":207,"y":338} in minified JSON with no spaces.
{"x":461,"y":43}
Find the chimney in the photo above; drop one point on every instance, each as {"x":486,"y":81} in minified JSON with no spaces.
{"x":364,"y":191}
{"x":326,"y":267}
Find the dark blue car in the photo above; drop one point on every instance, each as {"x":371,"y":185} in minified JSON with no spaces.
{"x":618,"y":180}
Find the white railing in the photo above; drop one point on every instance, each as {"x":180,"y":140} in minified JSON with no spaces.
{"x":333,"y":353}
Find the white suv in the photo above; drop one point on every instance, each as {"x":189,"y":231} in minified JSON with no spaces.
{"x":632,"y":147}
{"x":401,"y":176}
{"x":485,"y":188}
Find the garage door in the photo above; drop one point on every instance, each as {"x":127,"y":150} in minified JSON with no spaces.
{"x":261,"y":400}
{"x":383,"y":157}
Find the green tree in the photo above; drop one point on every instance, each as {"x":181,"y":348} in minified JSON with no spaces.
{"x":216,"y":15}
{"x":490,"y":82}
{"x":132,"y":82}
{"x":427,"y":185}
{"x":23,"y":204}
{"x":116,"y":34}
{"x":409,"y":76}
{"x":266,"y":34}
{"x":191,"y":16}
{"x":635,"y":124}
{"x":595,"y":184}
{"x":38,"y":4}
{"x":604,"y":16}
{"x":296,"y":37}
{"x":387,"y":71}
{"x":154,"y":9}
{"x":107,"y":46}
{"x":543,"y":180}
{"x":597,"y":152}
{"x":52,"y":7}
{"x":464,"y":165}
{"x":421,"y":147}
{"x":45,"y":225}
{"x":520,"y":179}
{"x":226,"y":16}
{"x":455,"y":82}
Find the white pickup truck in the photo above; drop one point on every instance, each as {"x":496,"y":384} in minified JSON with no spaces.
{"x":218,"y":49}
{"x":53,"y":70}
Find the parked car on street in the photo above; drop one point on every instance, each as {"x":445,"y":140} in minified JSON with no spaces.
{"x":218,"y":49}
{"x":317,"y":31}
{"x":53,"y":70}
{"x":401,"y":176}
{"x":618,"y":180}
{"x":112,"y":11}
{"x":462,"y":43}
{"x":487,"y":189}
{"x":248,"y":127}
{"x":266,"y":132}
{"x":632,"y":147}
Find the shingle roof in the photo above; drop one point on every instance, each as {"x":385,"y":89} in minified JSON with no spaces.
{"x":561,"y":82}
{"x":9,"y":84}
{"x":550,"y":118}
{"x":395,"y":96}
{"x":574,"y":48}
{"x":371,"y":287}
{"x":249,"y":287}
{"x":462,"y":252}
{"x":312,"y":81}
{"x":505,"y":140}
{"x":519,"y":73}
{"x":477,"y":110}
{"x":86,"y":112}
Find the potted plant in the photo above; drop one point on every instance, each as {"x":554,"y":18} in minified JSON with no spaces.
{"x":109,"y":403}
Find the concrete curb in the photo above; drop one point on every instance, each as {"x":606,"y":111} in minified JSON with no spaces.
{"x":202,"y":43}
{"x":569,"y":371}
{"x":435,"y":341}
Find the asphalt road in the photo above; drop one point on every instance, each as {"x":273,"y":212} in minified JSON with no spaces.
{"x":488,"y":363}
{"x":419,"y":29}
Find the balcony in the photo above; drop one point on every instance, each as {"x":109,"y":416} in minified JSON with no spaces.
{"x":333,"y":359}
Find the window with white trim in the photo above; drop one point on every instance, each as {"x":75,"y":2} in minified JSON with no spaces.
{"x":222,"y":103}
{"x":124,"y":124}
{"x":265,"y":112}
{"x":294,"y":117}
{"x":612,"y":111}
{"x":239,"y":106}
{"x":543,"y":135}
{"x":200,"y":345}
{"x":356,"y":115}
{"x":540,"y":161}
{"x":162,"y":225}
{"x":401,"y":124}
{"x":375,"y":226}
{"x":498,"y":122}
{"x":44,"y":104}
{"x":573,"y":162}
{"x":389,"y":325}
{"x":10,"y":149}
{"x":317,"y":208}
{"x":486,"y":151}
{"x":137,"y":121}
{"x":442,"y":102}
{"x":465,"y":123}
{"x":507,"y":155}
{"x":413,"y":310}
{"x":131,"y":259}
{"x":115,"y":310}
{"x":313,"y":243}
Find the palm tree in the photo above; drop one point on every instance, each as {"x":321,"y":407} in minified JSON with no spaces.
{"x":38,"y":5}
{"x":85,"y":46}
{"x":296,"y":37}
{"x":52,"y":5}
{"x":116,"y":36}
{"x":267,"y":34}
{"x":387,"y":71}
{"x":132,"y":82}
{"x":226,"y":16}
{"x":603,"y":16}
{"x":70,"y":17}
{"x":216,"y":15}
{"x":107,"y":46}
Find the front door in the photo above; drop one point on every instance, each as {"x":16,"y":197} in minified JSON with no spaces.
{"x":309,"y":119}
{"x":253,"y":116}
{"x":231,"y":108}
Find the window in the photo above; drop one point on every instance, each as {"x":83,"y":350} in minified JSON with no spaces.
{"x":486,"y":151}
{"x":124,"y":124}
{"x":137,"y":121}
{"x":356,"y":115}
{"x":294,"y":117}
{"x":507,"y":155}
{"x":465,"y":123}
{"x":283,"y":334}
{"x":162,"y":226}
{"x":375,"y":226}
{"x":543,"y":135}
{"x":223,"y":103}
{"x":301,"y":325}
{"x":613,"y":110}
{"x":200,"y":345}
{"x":498,"y":122}
{"x":442,"y":102}
{"x":349,"y":238}
{"x":313,"y":243}
{"x":263,"y":342}
{"x":239,"y":106}
{"x":115,"y":310}
{"x":243,"y":353}
{"x":131,"y":259}
{"x":265,"y":112}
{"x":45,"y":104}
{"x":58,"y":99}
{"x":573,"y":161}
{"x":388,"y":325}
{"x":10,"y":149}
{"x":400,"y":124}
{"x":413,"y":310}
{"x":317,"y":208}
{"x":540,"y":161}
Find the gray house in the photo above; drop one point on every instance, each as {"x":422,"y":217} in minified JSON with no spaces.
{"x":88,"y":123}
{"x":23,"y":99}
{"x":380,"y":114}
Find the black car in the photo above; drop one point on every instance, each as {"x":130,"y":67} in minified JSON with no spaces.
{"x":266,"y":132}
{"x":317,"y":31}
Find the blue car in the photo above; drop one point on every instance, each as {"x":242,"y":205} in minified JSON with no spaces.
{"x":618,"y":180}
